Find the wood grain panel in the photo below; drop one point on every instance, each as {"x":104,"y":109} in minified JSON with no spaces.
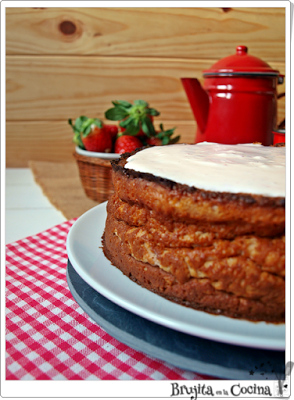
{"x":41,"y":88}
{"x":65,"y":62}
{"x":194,"y":33}
{"x":58,"y":88}
{"x":52,"y":140}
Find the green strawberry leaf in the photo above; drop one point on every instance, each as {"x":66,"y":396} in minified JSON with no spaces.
{"x":122,"y":103}
{"x":165,"y":140}
{"x":124,"y":123}
{"x":140,"y":103}
{"x":174,"y":140}
{"x":98,"y":123}
{"x":79,"y":122}
{"x":87,"y":130}
{"x":148,"y":127}
{"x":165,"y":136}
{"x":78,"y":141}
{"x":132,"y":127}
{"x":116,"y":114}
{"x":153,"y":112}
{"x":169,"y":132}
{"x":133,"y":117}
{"x":83,"y":125}
{"x":86,"y":123}
{"x":145,"y":129}
{"x":86,"y":127}
{"x":73,"y":126}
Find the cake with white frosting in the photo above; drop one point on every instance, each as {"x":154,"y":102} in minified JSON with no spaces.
{"x":203,"y":225}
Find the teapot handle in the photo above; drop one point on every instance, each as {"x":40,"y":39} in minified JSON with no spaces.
{"x":282,"y":123}
{"x":279,"y":96}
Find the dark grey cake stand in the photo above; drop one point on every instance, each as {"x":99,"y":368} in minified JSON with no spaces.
{"x":187,"y":352}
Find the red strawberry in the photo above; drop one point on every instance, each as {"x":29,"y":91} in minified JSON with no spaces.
{"x":153,"y":141}
{"x":112,"y":129}
{"x":89,"y":134}
{"x":98,"y":140}
{"x":126,"y":144}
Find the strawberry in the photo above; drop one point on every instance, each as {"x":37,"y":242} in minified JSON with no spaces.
{"x":89,"y":134}
{"x":126,"y":144}
{"x":112,"y":129}
{"x":134,"y":118}
{"x":98,"y":140}
{"x":154,"y":141}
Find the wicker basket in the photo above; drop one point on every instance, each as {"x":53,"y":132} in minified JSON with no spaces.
{"x":95,"y":174}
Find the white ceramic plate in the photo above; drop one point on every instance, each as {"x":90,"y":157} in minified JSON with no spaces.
{"x":86,"y":255}
{"x":105,"y":156}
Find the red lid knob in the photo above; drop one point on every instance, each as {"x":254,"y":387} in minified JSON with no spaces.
{"x":241,"y":63}
{"x":241,"y":50}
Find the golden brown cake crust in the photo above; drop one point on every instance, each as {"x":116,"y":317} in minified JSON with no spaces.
{"x":119,"y":164}
{"x":190,"y":205}
{"x":197,"y":293}
{"x":176,"y":233}
{"x":265,"y":254}
{"x":230,"y":266}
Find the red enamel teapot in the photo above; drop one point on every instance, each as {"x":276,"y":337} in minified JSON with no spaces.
{"x":238,"y":102}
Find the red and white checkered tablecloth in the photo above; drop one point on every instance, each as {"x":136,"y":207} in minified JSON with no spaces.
{"x":48,"y":335}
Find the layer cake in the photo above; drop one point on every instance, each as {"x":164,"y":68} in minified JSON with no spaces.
{"x":203,"y":225}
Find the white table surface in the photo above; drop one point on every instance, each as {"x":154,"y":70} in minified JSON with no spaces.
{"x":27,"y":209}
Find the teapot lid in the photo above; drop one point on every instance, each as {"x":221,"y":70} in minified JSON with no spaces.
{"x":240,"y":63}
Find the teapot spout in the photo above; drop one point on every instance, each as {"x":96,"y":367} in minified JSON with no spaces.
{"x":198,"y":99}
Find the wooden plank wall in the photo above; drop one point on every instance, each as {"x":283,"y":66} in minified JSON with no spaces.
{"x":65,"y":62}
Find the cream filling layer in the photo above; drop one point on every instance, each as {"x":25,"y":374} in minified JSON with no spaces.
{"x":240,"y":168}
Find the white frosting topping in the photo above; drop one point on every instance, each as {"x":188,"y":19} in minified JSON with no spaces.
{"x":240,"y":168}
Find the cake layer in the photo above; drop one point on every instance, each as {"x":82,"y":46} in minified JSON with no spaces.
{"x":198,"y":293}
{"x":175,"y":234}
{"x":189,"y":205}
{"x":247,"y":266}
{"x":240,"y":168}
